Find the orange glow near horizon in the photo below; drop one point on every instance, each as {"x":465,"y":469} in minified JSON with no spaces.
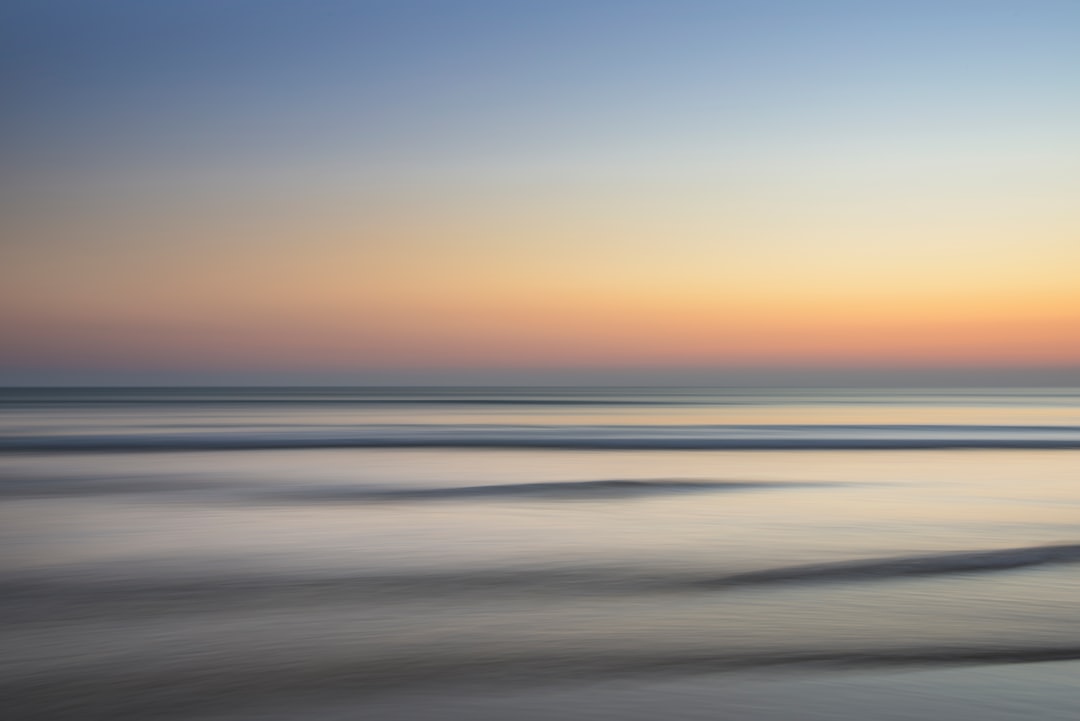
{"x":344,"y":307}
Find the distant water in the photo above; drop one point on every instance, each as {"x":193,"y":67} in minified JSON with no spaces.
{"x":239,"y":554}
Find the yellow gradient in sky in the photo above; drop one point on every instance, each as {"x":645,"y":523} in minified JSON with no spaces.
{"x":630,"y":278}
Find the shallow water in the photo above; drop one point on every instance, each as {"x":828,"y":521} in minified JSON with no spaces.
{"x":540,"y":554}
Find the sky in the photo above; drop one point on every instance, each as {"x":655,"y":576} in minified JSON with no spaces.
{"x":333,"y":191}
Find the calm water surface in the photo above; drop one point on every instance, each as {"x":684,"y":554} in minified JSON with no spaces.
{"x":490,"y":554}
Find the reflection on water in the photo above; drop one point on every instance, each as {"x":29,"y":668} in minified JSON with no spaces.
{"x":567,"y":554}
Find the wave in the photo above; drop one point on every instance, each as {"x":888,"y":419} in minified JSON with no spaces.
{"x":25,"y":486}
{"x":45,"y":596}
{"x":572,"y":437}
{"x":550,"y":490}
{"x":107,"y":402}
{"x":183,"y":688}
{"x":903,"y":566}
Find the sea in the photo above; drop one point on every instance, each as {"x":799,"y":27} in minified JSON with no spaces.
{"x":540,"y":554}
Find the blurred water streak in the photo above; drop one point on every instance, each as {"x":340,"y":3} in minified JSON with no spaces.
{"x":239,"y":553}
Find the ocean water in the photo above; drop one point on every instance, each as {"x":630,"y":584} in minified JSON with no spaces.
{"x":317,"y":554}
